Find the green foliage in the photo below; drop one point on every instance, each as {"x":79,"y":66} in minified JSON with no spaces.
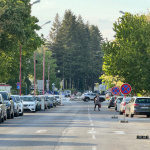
{"x":77,"y":48}
{"x":17,"y":28}
{"x":129,"y":55}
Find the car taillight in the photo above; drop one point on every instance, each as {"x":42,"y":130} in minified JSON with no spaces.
{"x":135,"y":104}
{"x":124,"y":103}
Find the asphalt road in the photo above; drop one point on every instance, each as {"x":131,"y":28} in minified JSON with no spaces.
{"x":74,"y":126}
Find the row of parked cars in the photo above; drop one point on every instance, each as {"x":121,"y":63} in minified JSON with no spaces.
{"x":131,"y":105}
{"x":14,"y":105}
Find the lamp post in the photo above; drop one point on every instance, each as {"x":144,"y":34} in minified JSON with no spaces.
{"x":21,"y":53}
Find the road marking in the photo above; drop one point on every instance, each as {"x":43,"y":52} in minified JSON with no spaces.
{"x":91,"y":121}
{"x":93,"y":137}
{"x":119,"y":132}
{"x":94,"y":148}
{"x":92,"y":124}
{"x":40,"y":131}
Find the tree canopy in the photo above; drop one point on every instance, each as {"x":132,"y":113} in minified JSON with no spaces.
{"x":128,"y":56}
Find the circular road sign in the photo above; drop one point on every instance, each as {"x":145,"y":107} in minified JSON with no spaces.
{"x":115,"y":90}
{"x":125,"y":89}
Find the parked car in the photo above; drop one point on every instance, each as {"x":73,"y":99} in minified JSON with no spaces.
{"x":138,"y":106}
{"x":123,"y":104}
{"x":38,"y":103}
{"x":28,"y":103}
{"x":3,"y":109}
{"x":16,"y":106}
{"x":9,"y":104}
{"x":57,"y":97}
{"x":118,"y":102}
{"x":20,"y":103}
{"x":48,"y":101}
{"x":53,"y":99}
{"x":39,"y":99}
{"x":68,"y":93}
{"x":111,"y":102}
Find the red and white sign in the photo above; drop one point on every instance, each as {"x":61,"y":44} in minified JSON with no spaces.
{"x":115,"y":90}
{"x":125,"y":89}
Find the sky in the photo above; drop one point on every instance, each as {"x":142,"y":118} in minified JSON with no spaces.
{"x":102,"y":13}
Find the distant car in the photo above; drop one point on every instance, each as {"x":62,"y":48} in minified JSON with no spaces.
{"x":111,"y":102}
{"x":16,"y":106}
{"x":52,"y":97}
{"x":9,"y":104}
{"x":88,"y":96}
{"x":58,"y":99}
{"x":138,"y":106}
{"x":20,"y":103}
{"x":118,"y":102}
{"x":68,"y":93}
{"x":123,"y":104}
{"x":28,"y":103}
{"x":3,"y":109}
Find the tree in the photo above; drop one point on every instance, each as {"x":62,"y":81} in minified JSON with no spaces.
{"x":76,"y":45}
{"x":128,"y":55}
{"x":17,"y":29}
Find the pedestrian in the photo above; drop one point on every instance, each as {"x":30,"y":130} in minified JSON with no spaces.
{"x":97,"y":102}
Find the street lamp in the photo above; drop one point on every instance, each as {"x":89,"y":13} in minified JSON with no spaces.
{"x":21,"y":53}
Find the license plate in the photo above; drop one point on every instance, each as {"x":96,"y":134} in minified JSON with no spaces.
{"x":145,"y":107}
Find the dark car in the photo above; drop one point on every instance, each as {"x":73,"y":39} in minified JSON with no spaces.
{"x":138,"y":106}
{"x":111,"y":102}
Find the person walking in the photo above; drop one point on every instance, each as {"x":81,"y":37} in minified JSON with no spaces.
{"x":97,"y":102}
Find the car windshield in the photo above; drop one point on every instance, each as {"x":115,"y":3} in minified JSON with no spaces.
{"x":57,"y":96}
{"x":127,"y":99}
{"x":38,"y":98}
{"x":4,"y":95}
{"x":27,"y":98}
{"x":13,"y":98}
{"x":17,"y":98}
{"x":142,"y":100}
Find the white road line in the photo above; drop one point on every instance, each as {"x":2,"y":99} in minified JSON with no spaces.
{"x":91,"y":121}
{"x":40,"y":131}
{"x":119,"y":132}
{"x":94,"y":148}
{"x":92,"y":124}
{"x":93,"y":137}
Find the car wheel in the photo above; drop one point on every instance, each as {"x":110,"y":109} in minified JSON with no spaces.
{"x":8,"y":114}
{"x":131,"y":115}
{"x":148,"y":116}
{"x":127,"y":115}
{"x":5,"y":117}
{"x":0,"y":119}
{"x":108,"y":106}
{"x":121,"y":113}
{"x":12,"y":115}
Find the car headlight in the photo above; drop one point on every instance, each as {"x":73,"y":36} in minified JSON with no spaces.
{"x":31,"y":105}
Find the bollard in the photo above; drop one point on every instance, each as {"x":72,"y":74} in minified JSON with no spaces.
{"x":123,"y":121}
{"x":142,"y":137}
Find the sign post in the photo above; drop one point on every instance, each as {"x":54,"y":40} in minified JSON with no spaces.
{"x":125,"y":90}
{"x":115,"y":91}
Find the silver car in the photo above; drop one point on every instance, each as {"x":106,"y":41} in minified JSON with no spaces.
{"x":123,"y":104}
{"x":3,"y":110}
{"x":138,"y":106}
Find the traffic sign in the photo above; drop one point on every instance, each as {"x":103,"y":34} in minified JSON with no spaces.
{"x":18,"y":87}
{"x":125,"y":89}
{"x":18,"y":83}
{"x":115,"y":90}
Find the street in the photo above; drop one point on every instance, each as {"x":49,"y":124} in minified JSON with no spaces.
{"x":74,"y":126}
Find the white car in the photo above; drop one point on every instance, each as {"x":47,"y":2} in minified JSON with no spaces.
{"x":118,"y":102}
{"x":57,"y":97}
{"x":29,"y":103}
{"x":123,"y":104}
{"x":20,"y":103}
